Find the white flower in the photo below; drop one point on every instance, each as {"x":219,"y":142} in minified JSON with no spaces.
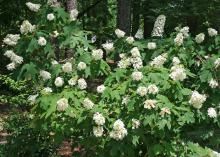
{"x":124,"y":63}
{"x":119,"y":131}
{"x":67,"y":67}
{"x":27,"y":27}
{"x":176,"y":61}
{"x":59,"y":82}
{"x":212,"y":112}
{"x":142,"y":91}
{"x":54,"y":62}
{"x":42,"y":41}
{"x":125,"y":100}
{"x":212,"y":32}
{"x":122,"y":55}
{"x":33,"y":7}
{"x":11,"y":39}
{"x":62,"y":104}
{"x":135,"y":124}
{"x":32,"y":98}
{"x":151,"y":45}
{"x":197,"y":99}
{"x":108,"y":47}
{"x":178,"y":73}
{"x":164,"y":111}
{"x":139,"y":34}
{"x":9,"y":53}
{"x":135,"y":52}
{"x":119,"y":33}
{"x":159,"y":26}
{"x":137,"y":75}
{"x":130,"y":40}
{"x":50,"y":17}
{"x":152,"y":89}
{"x":17,"y":59}
{"x":73,"y":14}
{"x":185,"y":31}
{"x":100,"y":89}
{"x":45,"y":75}
{"x":55,"y":34}
{"x":159,"y":60}
{"x":72,"y":81}
{"x":81,"y":66}
{"x":98,"y":131}
{"x":149,"y":104}
{"x":179,"y":39}
{"x":200,"y":38}
{"x":217,"y":62}
{"x":97,"y":54}
{"x":136,"y":62}
{"x":47,"y":90}
{"x":99,"y":119}
{"x":213,"y":83}
{"x":11,"y":66}
{"x":88,"y":104}
{"x":82,"y":84}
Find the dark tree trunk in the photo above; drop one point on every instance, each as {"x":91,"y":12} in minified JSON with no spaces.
{"x":135,"y":16}
{"x":148,"y":24}
{"x":124,"y":16}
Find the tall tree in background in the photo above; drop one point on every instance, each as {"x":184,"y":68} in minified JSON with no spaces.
{"x":124,"y":15}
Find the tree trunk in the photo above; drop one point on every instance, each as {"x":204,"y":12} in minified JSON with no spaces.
{"x":136,"y":6}
{"x":148,"y":24}
{"x":124,"y":16}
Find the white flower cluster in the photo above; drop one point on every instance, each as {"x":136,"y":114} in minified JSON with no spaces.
{"x":213,"y":83}
{"x":176,"y":61}
{"x":197,"y":99}
{"x":47,"y":90}
{"x":33,"y":7}
{"x":67,"y":67}
{"x":135,"y":124}
{"x":108,"y":46}
{"x":164,"y":111}
{"x":99,"y":118}
{"x":119,"y":33}
{"x":212,"y":112}
{"x":217,"y":62}
{"x":151,"y":89}
{"x":72,"y":81}
{"x":119,"y":130}
{"x":139,"y":34}
{"x":88,"y":104}
{"x":50,"y":17}
{"x":15,"y":59}
{"x":212,"y":32}
{"x":130,"y":40}
{"x":100,"y":89}
{"x":159,"y":60}
{"x":82,"y":83}
{"x":27,"y":27}
{"x":32,"y":98}
{"x":159,"y":26}
{"x":45,"y":75}
{"x":200,"y":38}
{"x":11,"y":39}
{"x":149,"y":104}
{"x":42,"y":41}
{"x":151,"y":45}
{"x":53,"y":3}
{"x":81,"y":66}
{"x":97,"y":54}
{"x":137,"y":75}
{"x":136,"y":60}
{"x":124,"y":63}
{"x":98,"y":131}
{"x":62,"y":104}
{"x":59,"y":82}
{"x":74,"y":14}
{"x":178,"y":73}
{"x":183,"y":33}
{"x":125,"y":100}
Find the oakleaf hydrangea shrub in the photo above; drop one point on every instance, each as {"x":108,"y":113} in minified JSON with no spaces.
{"x":126,"y":97}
